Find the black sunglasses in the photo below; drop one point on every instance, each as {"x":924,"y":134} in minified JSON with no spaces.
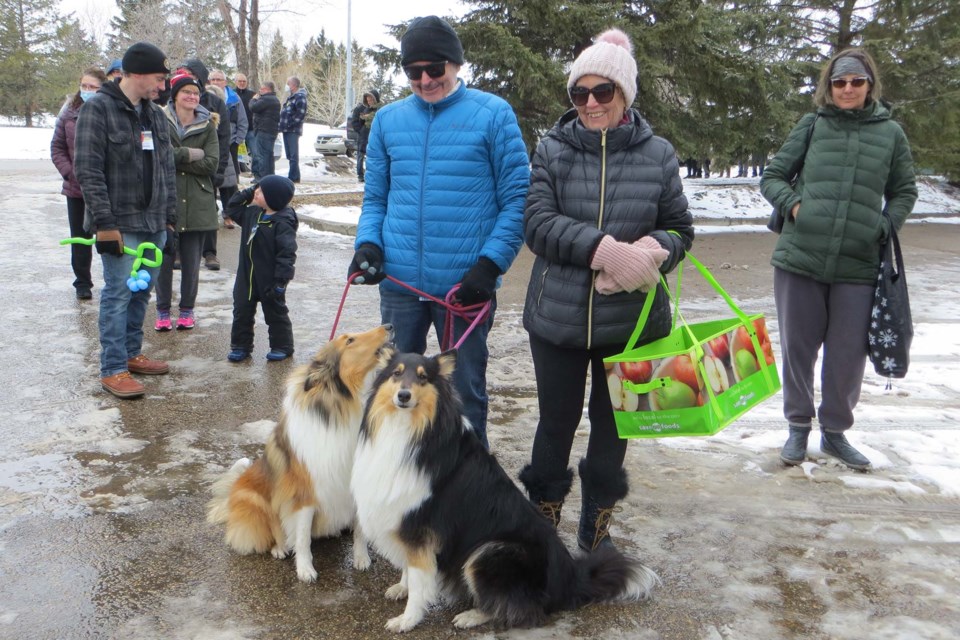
{"x":840,"y":83}
{"x":602,"y":93}
{"x":434,"y":70}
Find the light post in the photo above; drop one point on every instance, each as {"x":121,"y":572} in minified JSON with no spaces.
{"x":349,"y":88}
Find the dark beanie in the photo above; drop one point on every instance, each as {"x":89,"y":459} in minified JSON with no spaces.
{"x":144,"y":58}
{"x":432,"y":40}
{"x":277,"y":191}
{"x":178,"y":82}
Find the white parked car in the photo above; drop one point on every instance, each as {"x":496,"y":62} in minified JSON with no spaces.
{"x":334,"y":142}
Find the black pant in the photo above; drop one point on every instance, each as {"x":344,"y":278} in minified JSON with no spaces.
{"x":276,"y":314}
{"x":81,"y":255}
{"x":561,"y":380}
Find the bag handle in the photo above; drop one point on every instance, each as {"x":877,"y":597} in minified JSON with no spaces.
{"x":712,"y":281}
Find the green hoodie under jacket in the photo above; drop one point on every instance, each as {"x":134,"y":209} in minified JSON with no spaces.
{"x":858,"y":163}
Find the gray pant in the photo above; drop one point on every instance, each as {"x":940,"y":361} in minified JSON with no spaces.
{"x":835,"y":316}
{"x":191,"y":242}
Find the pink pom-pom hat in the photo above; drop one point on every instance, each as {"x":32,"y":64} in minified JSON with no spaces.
{"x":610,"y":56}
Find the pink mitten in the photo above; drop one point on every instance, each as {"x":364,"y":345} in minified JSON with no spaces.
{"x":627,"y":267}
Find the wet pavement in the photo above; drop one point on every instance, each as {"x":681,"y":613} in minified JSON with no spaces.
{"x":102,"y":530}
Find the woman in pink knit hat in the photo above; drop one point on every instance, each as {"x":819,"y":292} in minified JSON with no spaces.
{"x":605,"y":216}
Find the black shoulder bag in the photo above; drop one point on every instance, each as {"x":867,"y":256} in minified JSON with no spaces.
{"x":891,"y":325}
{"x":777,"y":217}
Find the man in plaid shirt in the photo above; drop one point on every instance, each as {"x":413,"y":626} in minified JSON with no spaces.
{"x":291,"y":124}
{"x":124,"y":164}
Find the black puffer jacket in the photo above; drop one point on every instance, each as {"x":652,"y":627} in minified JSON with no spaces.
{"x":585,"y":184}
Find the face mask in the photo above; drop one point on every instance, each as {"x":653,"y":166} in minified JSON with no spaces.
{"x":86,"y":95}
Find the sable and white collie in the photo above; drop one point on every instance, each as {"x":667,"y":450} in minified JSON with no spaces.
{"x":301,"y":485}
{"x":435,"y":502}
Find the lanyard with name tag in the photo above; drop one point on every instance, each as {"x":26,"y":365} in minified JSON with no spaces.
{"x":146,"y":140}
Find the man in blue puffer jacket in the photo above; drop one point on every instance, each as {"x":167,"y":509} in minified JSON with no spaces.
{"x":446,"y":178}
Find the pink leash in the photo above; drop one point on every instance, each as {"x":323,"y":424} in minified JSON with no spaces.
{"x":474,"y":313}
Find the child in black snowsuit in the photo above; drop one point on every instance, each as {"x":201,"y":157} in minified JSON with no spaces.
{"x":268,"y":252}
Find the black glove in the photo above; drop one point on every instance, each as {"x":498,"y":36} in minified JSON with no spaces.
{"x":217,"y":180}
{"x":479,"y":283}
{"x":241,"y":198}
{"x":172,"y":243}
{"x":369,"y":260}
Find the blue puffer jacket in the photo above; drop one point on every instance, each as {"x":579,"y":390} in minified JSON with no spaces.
{"x":445,"y":185}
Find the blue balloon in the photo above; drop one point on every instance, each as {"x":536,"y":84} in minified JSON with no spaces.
{"x":143,"y":274}
{"x":142,"y":285}
{"x":132,"y":284}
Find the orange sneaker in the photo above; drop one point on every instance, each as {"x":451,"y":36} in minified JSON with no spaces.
{"x":144,"y":365}
{"x":122,"y":385}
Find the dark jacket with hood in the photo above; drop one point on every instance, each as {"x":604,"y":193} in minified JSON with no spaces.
{"x":362,"y":119}
{"x":858,"y":164}
{"x":267,"y":259}
{"x":584,"y":184}
{"x":123,"y":186}
{"x":213,"y":104}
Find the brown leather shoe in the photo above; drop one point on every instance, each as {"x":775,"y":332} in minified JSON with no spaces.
{"x":123,"y":385}
{"x":146,"y":366}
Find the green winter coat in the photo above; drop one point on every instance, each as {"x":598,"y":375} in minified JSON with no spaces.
{"x":196,"y":196}
{"x":858,"y":163}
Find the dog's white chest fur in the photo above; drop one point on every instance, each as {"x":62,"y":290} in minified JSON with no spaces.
{"x":387,"y":484}
{"x":327,"y":451}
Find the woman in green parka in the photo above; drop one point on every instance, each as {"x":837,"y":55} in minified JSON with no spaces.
{"x":857,"y":167}
{"x":196,"y":152}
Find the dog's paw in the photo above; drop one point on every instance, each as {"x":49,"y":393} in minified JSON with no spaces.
{"x":402,"y":623}
{"x":396,"y":592}
{"x":361,"y":558}
{"x":470,"y":619}
{"x":306,"y":572}
{"x":279,"y":552}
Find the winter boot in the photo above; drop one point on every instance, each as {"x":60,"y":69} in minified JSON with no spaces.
{"x":835,"y":444}
{"x":547,"y":496}
{"x":599,"y":496}
{"x":795,"y":449}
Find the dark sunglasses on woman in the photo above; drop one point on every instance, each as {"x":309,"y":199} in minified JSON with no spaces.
{"x":434,"y":70}
{"x":840,"y":83}
{"x":602,"y":93}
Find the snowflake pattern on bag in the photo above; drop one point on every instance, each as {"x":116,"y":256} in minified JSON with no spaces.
{"x":886,"y":340}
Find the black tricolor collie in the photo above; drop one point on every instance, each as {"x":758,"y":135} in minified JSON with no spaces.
{"x":437,"y":504}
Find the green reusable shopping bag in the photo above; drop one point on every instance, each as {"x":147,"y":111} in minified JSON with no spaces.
{"x":696,"y":380}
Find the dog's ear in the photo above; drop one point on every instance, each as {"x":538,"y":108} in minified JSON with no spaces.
{"x":325,"y":366}
{"x":447,"y":361}
{"x":386,"y":355}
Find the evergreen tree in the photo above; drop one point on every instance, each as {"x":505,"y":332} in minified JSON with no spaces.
{"x":28,"y":35}
{"x":917,"y":46}
{"x":73,"y":52}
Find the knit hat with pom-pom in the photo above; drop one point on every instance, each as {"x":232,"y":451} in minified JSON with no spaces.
{"x":610,"y":56}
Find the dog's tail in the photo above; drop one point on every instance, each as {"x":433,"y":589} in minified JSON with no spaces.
{"x":217,"y":509}
{"x":241,"y":499}
{"x":607,"y":574}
